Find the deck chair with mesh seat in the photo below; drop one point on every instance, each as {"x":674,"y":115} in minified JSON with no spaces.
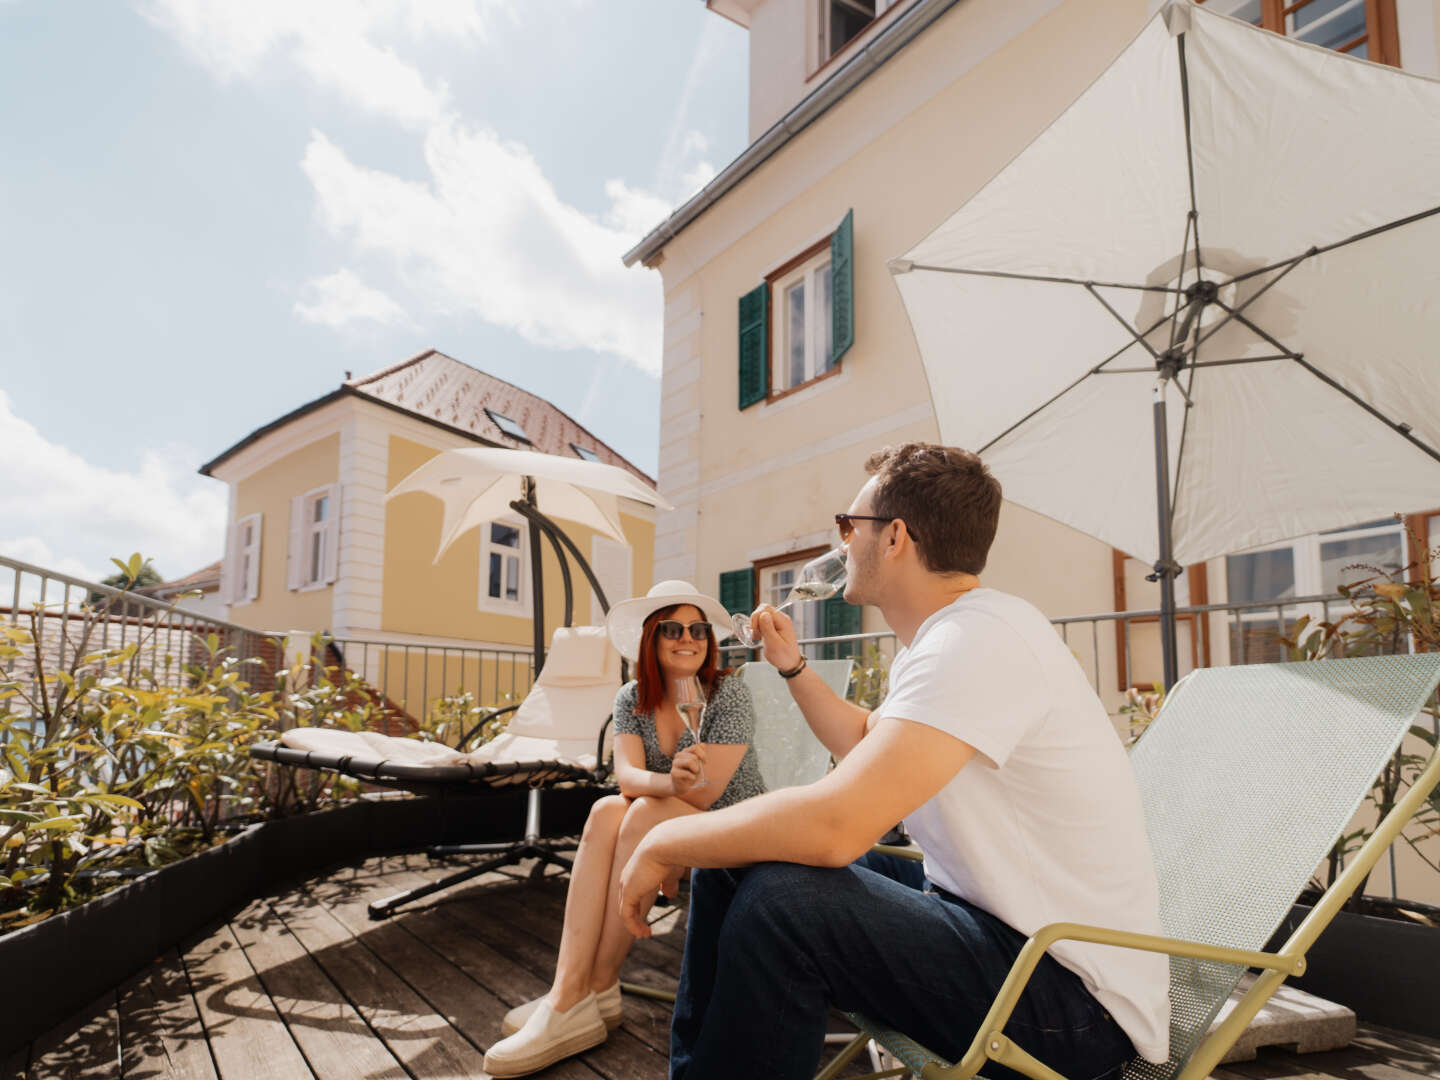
{"x":1248,"y":777}
{"x":558,"y":734}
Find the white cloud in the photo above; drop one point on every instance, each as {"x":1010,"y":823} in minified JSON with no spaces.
{"x":682,"y":169}
{"x":342,"y":298}
{"x":68,"y":514}
{"x":489,"y":235}
{"x":344,"y":45}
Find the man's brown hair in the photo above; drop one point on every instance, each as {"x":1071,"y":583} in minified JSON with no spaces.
{"x":947,"y":498}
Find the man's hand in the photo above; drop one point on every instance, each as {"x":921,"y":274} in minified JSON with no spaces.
{"x":777,"y":636}
{"x":642,"y":878}
{"x":686,"y":767}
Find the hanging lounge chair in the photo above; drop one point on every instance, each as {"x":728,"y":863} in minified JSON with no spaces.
{"x":557,"y":735}
{"x":1248,"y":777}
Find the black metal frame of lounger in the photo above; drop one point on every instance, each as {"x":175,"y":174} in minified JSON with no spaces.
{"x":451,"y":779}
{"x":443,"y":780}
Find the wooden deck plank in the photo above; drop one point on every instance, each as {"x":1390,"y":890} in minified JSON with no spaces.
{"x":160,"y":1030}
{"x":477,"y":904}
{"x":419,"y":1036}
{"x":334,"y":1038}
{"x":526,"y":973}
{"x":441,"y":962}
{"x":247,"y":1035}
{"x":85,"y":1046}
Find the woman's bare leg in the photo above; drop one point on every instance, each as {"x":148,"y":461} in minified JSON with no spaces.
{"x":588,"y":900}
{"x":614,"y":940}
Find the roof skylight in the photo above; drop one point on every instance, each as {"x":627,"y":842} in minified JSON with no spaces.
{"x":508,"y":426}
{"x":584,"y":452}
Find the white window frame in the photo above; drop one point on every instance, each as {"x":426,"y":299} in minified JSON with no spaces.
{"x":499,"y":605}
{"x":818,"y":347}
{"x":775,"y":583}
{"x":245,"y":575}
{"x":303,"y":573}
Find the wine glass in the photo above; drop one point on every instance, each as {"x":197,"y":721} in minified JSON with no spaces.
{"x":689,"y":695}
{"x":819,"y":579}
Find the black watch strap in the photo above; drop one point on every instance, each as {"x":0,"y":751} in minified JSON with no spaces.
{"x":792,"y":672}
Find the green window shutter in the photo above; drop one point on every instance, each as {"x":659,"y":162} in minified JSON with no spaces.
{"x":754,"y":345}
{"x":836,"y":618}
{"x":842,"y":288}
{"x":737,"y":590}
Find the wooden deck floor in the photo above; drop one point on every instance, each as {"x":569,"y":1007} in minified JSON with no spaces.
{"x":304,"y":984}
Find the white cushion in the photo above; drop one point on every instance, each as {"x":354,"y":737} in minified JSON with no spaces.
{"x":580,"y":655}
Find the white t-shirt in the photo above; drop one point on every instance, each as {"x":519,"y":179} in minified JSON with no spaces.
{"x":1044,"y":824}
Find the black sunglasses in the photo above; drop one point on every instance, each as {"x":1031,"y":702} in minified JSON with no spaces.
{"x":672,"y":630}
{"x":846,"y":524}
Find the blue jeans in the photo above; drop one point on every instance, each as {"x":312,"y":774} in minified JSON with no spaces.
{"x":770,"y":949}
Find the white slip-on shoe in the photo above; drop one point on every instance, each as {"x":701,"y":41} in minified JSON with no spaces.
{"x":547,"y":1037}
{"x":612,"y":1010}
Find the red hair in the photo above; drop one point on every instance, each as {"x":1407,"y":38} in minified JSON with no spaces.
{"x":650,"y":680}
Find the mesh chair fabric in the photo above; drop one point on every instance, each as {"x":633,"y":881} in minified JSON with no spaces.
{"x":789,"y":753}
{"x":1248,"y":777}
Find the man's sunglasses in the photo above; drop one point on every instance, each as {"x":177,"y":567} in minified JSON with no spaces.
{"x":846,"y":524}
{"x":671,"y":630}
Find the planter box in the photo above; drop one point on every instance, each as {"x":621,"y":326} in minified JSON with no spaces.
{"x":56,"y":967}
{"x":1384,"y":969}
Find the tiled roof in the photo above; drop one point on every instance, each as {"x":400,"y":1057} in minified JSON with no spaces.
{"x":441,"y":388}
{"x":204,"y":578}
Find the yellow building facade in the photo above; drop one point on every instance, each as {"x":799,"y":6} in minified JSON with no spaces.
{"x":315,"y":545}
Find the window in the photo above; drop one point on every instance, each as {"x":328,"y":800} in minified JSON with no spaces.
{"x":507,"y":426}
{"x":797,"y":325}
{"x":314,"y":552}
{"x":802,"y":343}
{"x":584,"y":452}
{"x":504,"y":577}
{"x":1314,"y":565}
{"x":1363,"y":28}
{"x":245,"y":561}
{"x":841,"y":21}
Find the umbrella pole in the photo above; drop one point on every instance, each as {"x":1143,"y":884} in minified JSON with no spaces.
{"x":537,"y":584}
{"x":1166,"y":569}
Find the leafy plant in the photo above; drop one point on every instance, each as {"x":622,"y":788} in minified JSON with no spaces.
{"x":1391,"y":612}
{"x":128,"y":757}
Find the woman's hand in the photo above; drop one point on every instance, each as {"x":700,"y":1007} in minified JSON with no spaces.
{"x":685,"y":769}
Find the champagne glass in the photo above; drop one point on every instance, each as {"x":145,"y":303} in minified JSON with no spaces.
{"x":689,"y":695}
{"x":819,"y":579}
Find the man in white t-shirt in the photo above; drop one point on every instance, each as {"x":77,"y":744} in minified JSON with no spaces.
{"x":1004,"y":765}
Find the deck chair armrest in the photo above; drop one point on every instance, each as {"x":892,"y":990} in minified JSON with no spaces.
{"x":480,"y":724}
{"x":990,"y":1043}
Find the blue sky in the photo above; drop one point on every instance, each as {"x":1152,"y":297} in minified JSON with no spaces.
{"x":209,"y":211}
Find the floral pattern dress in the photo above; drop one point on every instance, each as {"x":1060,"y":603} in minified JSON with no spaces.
{"x":729,"y":718}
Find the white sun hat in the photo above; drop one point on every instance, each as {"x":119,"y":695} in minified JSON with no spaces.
{"x":626,"y":621}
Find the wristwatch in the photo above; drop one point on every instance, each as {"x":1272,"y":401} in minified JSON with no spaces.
{"x":790,"y":673}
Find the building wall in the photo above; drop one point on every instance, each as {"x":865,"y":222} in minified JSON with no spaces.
{"x":268,"y":492}
{"x":962,"y":100}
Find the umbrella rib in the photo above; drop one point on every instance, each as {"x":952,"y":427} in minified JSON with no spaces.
{"x":1184,"y":255}
{"x":1040,"y":277}
{"x":1299,"y":358}
{"x":1376,"y":231}
{"x":1189,"y":151}
{"x":1096,"y":370}
{"x":1121,"y":320}
{"x":1199,"y":364}
{"x":1235,"y":313}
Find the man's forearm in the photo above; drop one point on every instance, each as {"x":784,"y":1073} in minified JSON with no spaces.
{"x":789,"y":825}
{"x":836,"y":722}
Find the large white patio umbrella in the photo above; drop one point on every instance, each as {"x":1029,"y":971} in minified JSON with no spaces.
{"x":481,"y":484}
{"x":1233,"y":232}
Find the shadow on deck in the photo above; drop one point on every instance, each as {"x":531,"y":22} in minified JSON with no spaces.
{"x":303,"y":984}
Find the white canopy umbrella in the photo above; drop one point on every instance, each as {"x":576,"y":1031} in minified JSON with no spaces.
{"x":481,"y":484}
{"x":1248,"y":222}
